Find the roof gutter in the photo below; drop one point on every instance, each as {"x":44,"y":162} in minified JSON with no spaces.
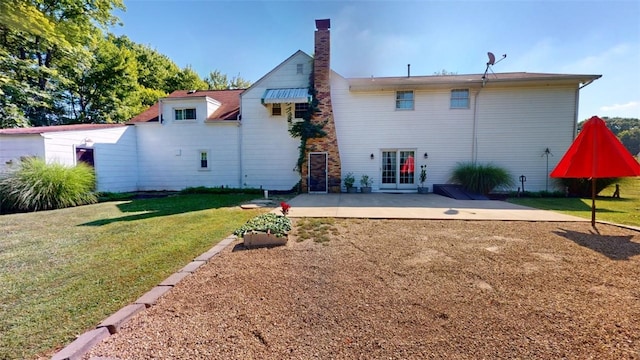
{"x":589,"y":82}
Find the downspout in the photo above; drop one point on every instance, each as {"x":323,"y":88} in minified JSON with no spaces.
{"x":575,"y":114}
{"x":474,"y":141}
{"x":577,"y":105}
{"x":240,"y":149}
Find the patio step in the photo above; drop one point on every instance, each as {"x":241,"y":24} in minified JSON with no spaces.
{"x":455,"y":191}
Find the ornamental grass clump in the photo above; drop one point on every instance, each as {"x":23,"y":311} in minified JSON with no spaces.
{"x":481,"y":178}
{"x":266,"y":223}
{"x":36,"y":185}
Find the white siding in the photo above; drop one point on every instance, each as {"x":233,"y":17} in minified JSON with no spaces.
{"x":60,"y":146}
{"x":12,"y":147}
{"x":367,"y":123}
{"x":514,"y":126}
{"x":114,"y":153}
{"x":169,"y":155}
{"x":269,"y":153}
{"x":116,"y":163}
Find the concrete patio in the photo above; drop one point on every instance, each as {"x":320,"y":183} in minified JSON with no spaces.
{"x":415,"y":206}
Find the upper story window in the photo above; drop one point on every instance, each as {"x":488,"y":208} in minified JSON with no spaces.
{"x":404,"y":100}
{"x":185,"y":114}
{"x":301,"y":110}
{"x":460,"y":98}
{"x":276,"y":109}
{"x":299,"y":68}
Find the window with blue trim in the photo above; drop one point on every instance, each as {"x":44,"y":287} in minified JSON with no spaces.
{"x":459,"y":99}
{"x":404,"y":100}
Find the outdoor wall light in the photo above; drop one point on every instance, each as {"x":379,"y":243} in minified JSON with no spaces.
{"x":426,"y":155}
{"x":372,"y":156}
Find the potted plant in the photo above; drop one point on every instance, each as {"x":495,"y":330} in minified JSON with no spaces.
{"x":349,"y":180}
{"x":265,"y":230}
{"x":423,"y":177}
{"x":366,"y":183}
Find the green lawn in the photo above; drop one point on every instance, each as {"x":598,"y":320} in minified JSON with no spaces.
{"x":625,"y":210}
{"x":64,"y":271}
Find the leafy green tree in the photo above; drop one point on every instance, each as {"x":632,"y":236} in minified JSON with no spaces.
{"x":187,"y":79}
{"x":155,"y":70}
{"x":617,"y":124}
{"x":626,"y":129}
{"x":631,"y":140}
{"x":219,"y":81}
{"x":444,"y":72}
{"x":103,"y":86}
{"x":35,"y":37}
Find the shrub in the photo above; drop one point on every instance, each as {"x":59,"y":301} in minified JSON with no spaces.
{"x":581,"y":187}
{"x":268,"y":223}
{"x":479,"y":178}
{"x":36,"y":185}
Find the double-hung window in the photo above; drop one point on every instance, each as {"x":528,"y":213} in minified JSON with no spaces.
{"x":185,"y":114}
{"x":404,"y":100}
{"x":276,"y":109}
{"x":204,"y":159}
{"x":459,"y":99}
{"x":301,"y":110}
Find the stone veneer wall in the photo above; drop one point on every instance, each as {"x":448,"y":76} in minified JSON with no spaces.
{"x":322,"y":85}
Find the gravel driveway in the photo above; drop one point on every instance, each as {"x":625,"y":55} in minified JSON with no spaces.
{"x":404,"y":289}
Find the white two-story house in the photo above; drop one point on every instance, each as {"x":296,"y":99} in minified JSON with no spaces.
{"x":385,"y":128}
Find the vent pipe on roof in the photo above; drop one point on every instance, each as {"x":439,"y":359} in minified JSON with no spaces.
{"x":408,"y":70}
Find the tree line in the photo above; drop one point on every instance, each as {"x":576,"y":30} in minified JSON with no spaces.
{"x":626,"y":129}
{"x":60,"y":65}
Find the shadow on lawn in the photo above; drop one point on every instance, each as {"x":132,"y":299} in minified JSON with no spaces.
{"x":573,"y":204}
{"x":171,"y":205}
{"x":613,"y":247}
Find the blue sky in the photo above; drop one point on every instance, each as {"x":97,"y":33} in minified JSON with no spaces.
{"x":380,"y":38}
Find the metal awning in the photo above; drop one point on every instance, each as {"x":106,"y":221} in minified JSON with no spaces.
{"x":288,"y":95}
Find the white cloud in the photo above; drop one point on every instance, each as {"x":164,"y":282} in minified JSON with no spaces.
{"x":601,"y":60}
{"x":621,"y":107}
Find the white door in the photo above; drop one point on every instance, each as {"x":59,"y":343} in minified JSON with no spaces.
{"x":398,"y":169}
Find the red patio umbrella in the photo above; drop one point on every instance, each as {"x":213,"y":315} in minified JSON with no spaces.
{"x":409,"y":166}
{"x":596,"y":153}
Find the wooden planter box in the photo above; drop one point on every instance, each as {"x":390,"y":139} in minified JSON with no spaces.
{"x":253,"y":240}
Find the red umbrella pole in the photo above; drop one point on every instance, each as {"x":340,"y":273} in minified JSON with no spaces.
{"x":593,"y":202}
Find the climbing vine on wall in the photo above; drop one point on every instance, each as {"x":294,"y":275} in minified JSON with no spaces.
{"x":305,"y":129}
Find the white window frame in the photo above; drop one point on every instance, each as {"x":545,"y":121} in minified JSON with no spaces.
{"x":207,"y":158}
{"x":456,"y":102}
{"x":401,"y":100}
{"x":183,"y":111}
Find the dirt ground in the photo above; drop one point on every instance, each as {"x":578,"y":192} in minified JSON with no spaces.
{"x":405,"y":289}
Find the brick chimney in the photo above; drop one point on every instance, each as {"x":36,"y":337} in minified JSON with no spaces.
{"x":322,"y":85}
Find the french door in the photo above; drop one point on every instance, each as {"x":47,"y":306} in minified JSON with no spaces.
{"x":398,"y":169}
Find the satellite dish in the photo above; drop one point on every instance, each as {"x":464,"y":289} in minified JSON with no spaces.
{"x":492,"y":58}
